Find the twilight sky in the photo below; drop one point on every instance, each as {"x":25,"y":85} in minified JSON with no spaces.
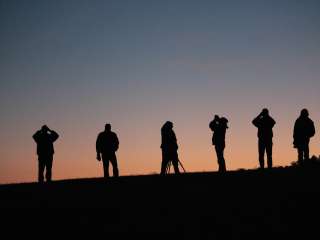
{"x":76,"y":65}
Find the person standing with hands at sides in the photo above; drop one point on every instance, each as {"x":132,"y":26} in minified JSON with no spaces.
{"x":303,"y":130}
{"x":45,"y":138}
{"x":219,"y":126}
{"x":169,"y":148}
{"x":106,"y":146}
{"x":264,"y":123}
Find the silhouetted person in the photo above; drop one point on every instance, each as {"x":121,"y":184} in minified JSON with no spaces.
{"x":169,"y":148}
{"x":264,"y":123}
{"x":303,"y":130}
{"x":45,"y":139}
{"x":219,"y":127}
{"x":106,"y":145}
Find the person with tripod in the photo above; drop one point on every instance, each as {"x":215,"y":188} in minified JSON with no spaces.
{"x":219,"y":126}
{"x":169,"y":148}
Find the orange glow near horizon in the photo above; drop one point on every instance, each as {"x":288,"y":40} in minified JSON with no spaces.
{"x":140,"y":154}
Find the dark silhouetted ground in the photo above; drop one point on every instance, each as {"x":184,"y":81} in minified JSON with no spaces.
{"x":281,"y":203}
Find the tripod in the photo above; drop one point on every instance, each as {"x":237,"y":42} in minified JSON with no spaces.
{"x":169,"y":166}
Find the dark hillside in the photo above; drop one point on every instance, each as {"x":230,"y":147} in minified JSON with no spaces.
{"x":281,"y":203}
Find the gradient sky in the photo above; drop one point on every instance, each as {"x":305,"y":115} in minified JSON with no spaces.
{"x":76,"y":65}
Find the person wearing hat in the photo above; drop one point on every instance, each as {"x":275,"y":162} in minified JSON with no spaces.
{"x":45,"y":138}
{"x":303,"y":130}
{"x":219,"y":126}
{"x":264,"y":123}
{"x":169,"y":148}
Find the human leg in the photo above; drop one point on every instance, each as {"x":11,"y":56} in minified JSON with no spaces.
{"x":306,"y":153}
{"x":300,"y":155}
{"x":175,"y":164}
{"x":48,"y":166}
{"x":164,"y":162}
{"x":262,"y":149}
{"x":105,"y":161}
{"x":41,"y":167}
{"x":269,"y":154}
{"x":220,"y":158}
{"x":114,"y":162}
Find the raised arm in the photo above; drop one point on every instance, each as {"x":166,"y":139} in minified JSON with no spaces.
{"x":213,"y":125}
{"x":54,"y":135}
{"x":256,"y":121}
{"x":36,"y":136}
